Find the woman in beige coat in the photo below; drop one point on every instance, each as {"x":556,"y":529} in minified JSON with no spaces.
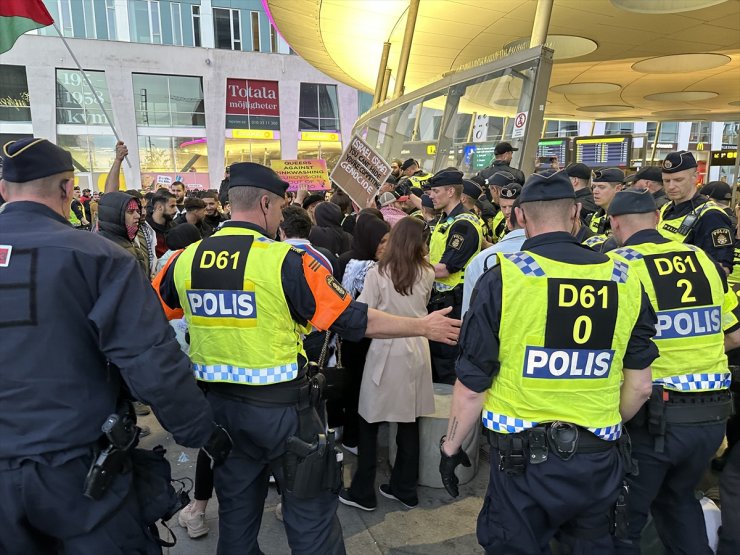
{"x":397,"y":379}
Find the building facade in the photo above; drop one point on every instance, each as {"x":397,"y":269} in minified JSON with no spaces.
{"x":190,"y":86}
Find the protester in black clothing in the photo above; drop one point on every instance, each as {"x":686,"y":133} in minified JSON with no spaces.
{"x":223,"y":189}
{"x":118,"y":221}
{"x":163,"y":210}
{"x":195,"y":213}
{"x":213,"y":218}
{"x":328,"y":232}
{"x":503,"y":153}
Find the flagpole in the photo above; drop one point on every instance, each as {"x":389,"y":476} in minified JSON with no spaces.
{"x":89,"y":84}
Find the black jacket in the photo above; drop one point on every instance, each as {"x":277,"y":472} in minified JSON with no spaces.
{"x":500,"y":165}
{"x":328,"y":232}
{"x":112,"y":226}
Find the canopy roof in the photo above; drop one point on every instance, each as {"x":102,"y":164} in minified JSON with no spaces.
{"x":614,"y":59}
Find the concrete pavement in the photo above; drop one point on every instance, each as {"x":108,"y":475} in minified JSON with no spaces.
{"x":439,"y":525}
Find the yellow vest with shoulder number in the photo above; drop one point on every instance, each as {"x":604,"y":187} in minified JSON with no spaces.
{"x":438,"y":245}
{"x":599,"y":223}
{"x":561,"y":351}
{"x":241,"y":329}
{"x":678,"y":229}
{"x":693,"y":310}
{"x":419,"y":180}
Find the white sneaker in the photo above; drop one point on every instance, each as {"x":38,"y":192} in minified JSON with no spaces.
{"x":194,"y":522}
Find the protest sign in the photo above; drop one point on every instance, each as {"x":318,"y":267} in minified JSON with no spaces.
{"x":360,"y":171}
{"x":303,"y":174}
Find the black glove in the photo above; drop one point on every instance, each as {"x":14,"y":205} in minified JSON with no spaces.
{"x":218,"y":446}
{"x":447,"y":467}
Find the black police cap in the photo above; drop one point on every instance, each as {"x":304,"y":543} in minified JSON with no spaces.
{"x":678,"y":162}
{"x":418,"y":191}
{"x":651,"y":173}
{"x":408,"y":163}
{"x":718,"y":190}
{"x":501,"y":179}
{"x":511,"y":191}
{"x":552,"y":187}
{"x":479,"y":179}
{"x":249,"y":174}
{"x":426,"y":201}
{"x":445,"y":178}
{"x":28,"y":159}
{"x":471,"y":189}
{"x":608,"y":175}
{"x":581,"y":171}
{"x":632,"y":201}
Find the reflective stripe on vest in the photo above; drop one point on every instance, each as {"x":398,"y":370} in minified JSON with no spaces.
{"x":241,"y":329}
{"x":438,"y":244}
{"x":563,"y":363}
{"x":249,"y":376}
{"x":687,"y":294}
{"x":671,"y":229}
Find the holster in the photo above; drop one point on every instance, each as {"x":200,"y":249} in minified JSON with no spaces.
{"x":312,"y":463}
{"x":618,"y":519}
{"x":656,"y":418}
{"x":512,"y":458}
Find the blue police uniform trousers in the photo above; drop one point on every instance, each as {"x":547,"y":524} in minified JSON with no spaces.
{"x":729,"y":492}
{"x":259,"y":435}
{"x":666,"y":487}
{"x":568,"y":500}
{"x":43,"y":511}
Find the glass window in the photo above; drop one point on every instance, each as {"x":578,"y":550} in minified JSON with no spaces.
{"x":145,"y":21}
{"x":729,"y":133}
{"x":701,"y":132}
{"x":15,"y":103}
{"x":196,"y":25}
{"x":168,"y":100}
{"x":618,"y":128}
{"x":668,"y":132}
{"x":255,"y":31}
{"x":65,"y":18}
{"x":176,"y":14}
{"x":273,"y":39}
{"x":227,"y":28}
{"x":90,"y":153}
{"x":319,"y":108}
{"x":364,"y":102}
{"x":173,"y":154}
{"x":110,"y":15}
{"x":76,"y":103}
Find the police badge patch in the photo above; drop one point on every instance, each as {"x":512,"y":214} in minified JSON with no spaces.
{"x":456,"y":241}
{"x":721,"y":237}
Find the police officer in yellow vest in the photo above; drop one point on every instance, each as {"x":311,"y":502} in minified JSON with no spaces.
{"x":690,"y":217}
{"x":247,"y":299}
{"x":555,"y":351}
{"x":496,"y":182}
{"x":469,"y":199}
{"x":455,"y":241}
{"x":413,"y":176}
{"x":676,"y":433}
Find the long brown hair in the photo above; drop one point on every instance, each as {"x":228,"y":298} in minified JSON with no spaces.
{"x":404,"y":257}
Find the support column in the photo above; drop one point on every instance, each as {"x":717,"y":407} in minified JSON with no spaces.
{"x":541,"y":23}
{"x":123,"y":30}
{"x":207,"y":39}
{"x":408,"y":37}
{"x":384,"y":87}
{"x":735,"y":176}
{"x":381,"y":73}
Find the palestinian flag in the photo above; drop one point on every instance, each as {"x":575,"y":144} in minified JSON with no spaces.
{"x":19,"y":16}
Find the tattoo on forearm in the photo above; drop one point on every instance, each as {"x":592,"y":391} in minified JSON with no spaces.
{"x":453,"y":429}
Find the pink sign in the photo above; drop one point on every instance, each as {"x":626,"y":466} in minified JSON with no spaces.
{"x":303,"y":174}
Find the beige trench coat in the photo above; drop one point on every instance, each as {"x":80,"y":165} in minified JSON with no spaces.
{"x":397,"y":380}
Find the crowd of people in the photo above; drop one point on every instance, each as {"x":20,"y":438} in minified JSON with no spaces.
{"x":595,"y":307}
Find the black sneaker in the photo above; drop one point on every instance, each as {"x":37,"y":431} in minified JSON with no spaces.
{"x":345,"y":498}
{"x":385,"y":491}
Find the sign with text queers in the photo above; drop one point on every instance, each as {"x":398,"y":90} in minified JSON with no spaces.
{"x":360,"y":171}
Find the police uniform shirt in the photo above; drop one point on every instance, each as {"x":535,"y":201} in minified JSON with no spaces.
{"x":478,"y":363}
{"x":712,"y":232}
{"x":462,"y":241}
{"x":350,"y":323}
{"x":78,"y":315}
